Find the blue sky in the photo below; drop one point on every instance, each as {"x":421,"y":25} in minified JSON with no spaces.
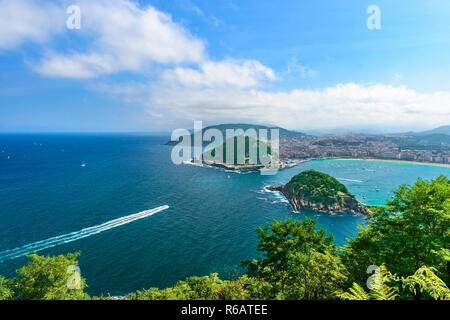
{"x":160,"y":65}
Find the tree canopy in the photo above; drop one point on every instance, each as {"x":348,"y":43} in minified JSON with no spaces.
{"x":411,"y":231}
{"x":317,"y":187}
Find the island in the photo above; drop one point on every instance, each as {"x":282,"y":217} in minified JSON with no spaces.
{"x":217,"y":157}
{"x":315,"y":190}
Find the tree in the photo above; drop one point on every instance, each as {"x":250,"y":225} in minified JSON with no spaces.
{"x":5,"y":290}
{"x":299,"y":262}
{"x":316,"y":276}
{"x":234,"y":290}
{"x":412,"y":231}
{"x":359,"y":254}
{"x":192,"y":288}
{"x":379,"y":291}
{"x":48,"y":278}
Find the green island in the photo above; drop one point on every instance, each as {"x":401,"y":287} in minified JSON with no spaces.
{"x":407,"y":241}
{"x":257,"y":155}
{"x":218,"y":156}
{"x":311,"y":189}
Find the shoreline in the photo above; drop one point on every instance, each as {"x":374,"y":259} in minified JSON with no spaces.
{"x":298,"y":162}
{"x":252,"y":167}
{"x":442,"y":165}
{"x":331,"y":212}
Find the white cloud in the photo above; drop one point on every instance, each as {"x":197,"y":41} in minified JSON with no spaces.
{"x":211,"y":19}
{"x":295,"y":67}
{"x":76,"y":65}
{"x":28,"y":20}
{"x":124,"y":37}
{"x":196,"y":9}
{"x":242,"y":74}
{"x":216,"y":21}
{"x":343,"y":105}
{"x":121,"y":36}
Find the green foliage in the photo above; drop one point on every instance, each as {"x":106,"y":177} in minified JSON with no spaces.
{"x":380,"y":290}
{"x":234,"y":290}
{"x":426,"y":281}
{"x":423,"y":280}
{"x":360,"y":253}
{"x":202,"y":288}
{"x":251,"y":146}
{"x":5,"y":290}
{"x":299,"y":262}
{"x":356,"y":292}
{"x":256,"y":288}
{"x":193,"y":288}
{"x":318,"y":187}
{"x":316,"y":276}
{"x":197,"y":288}
{"x":410,"y":232}
{"x":46,"y":278}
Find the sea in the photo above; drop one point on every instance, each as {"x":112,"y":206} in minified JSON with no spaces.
{"x":141,"y":221}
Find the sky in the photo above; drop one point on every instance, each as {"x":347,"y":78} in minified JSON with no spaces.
{"x":158,"y":65}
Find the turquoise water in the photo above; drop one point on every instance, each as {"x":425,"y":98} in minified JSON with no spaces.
{"x":45,"y":192}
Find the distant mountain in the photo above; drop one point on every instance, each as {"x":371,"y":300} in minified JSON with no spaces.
{"x":245,"y":126}
{"x":375,"y":131}
{"x":284,"y":133}
{"x":438,"y":130}
{"x":424,"y":141}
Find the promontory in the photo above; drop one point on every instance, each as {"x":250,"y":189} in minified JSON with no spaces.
{"x":319,"y":191}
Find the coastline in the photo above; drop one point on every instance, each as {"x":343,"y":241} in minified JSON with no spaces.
{"x":443,"y":165}
{"x":253,"y":167}
{"x":297,"y":162}
{"x":296,"y":208}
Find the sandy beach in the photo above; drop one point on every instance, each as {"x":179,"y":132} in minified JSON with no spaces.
{"x":444,"y":165}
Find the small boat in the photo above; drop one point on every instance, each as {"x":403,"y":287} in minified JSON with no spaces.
{"x":83,"y":164}
{"x":377,"y":189}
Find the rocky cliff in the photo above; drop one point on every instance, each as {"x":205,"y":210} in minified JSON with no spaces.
{"x":316,"y":190}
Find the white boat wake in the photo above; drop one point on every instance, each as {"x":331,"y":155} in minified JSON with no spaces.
{"x":350,"y":180}
{"x":73,"y":236}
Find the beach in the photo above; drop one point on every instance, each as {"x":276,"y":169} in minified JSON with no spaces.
{"x":444,"y":165}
